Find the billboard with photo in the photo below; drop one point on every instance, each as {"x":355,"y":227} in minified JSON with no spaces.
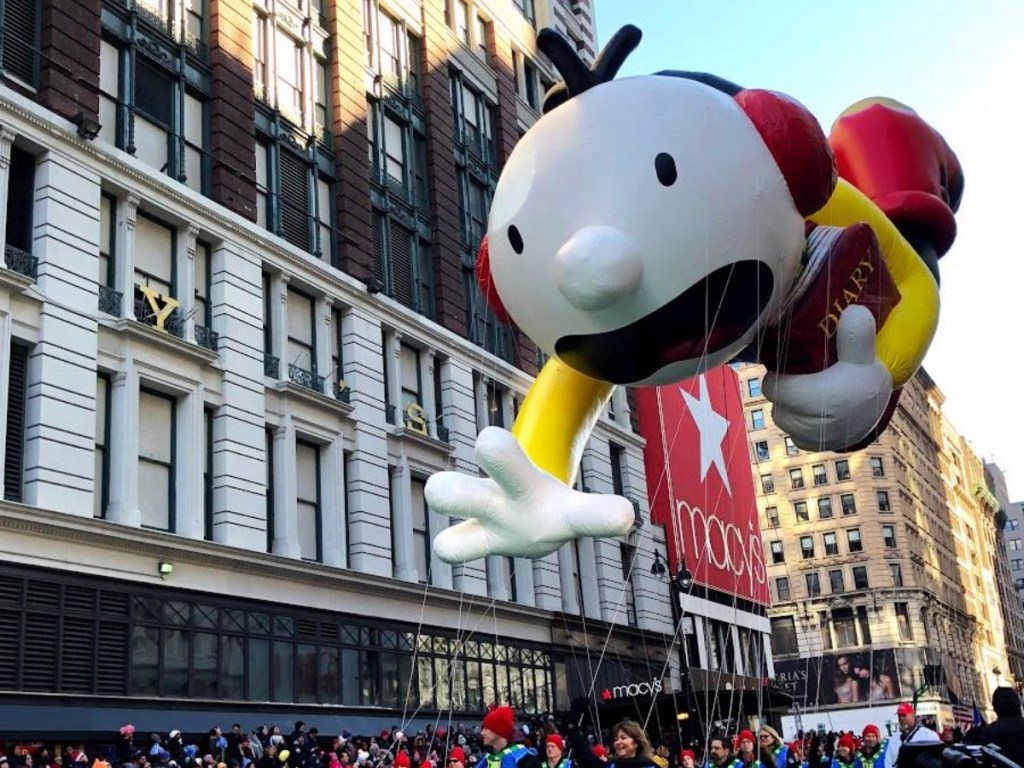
{"x":840,"y":678}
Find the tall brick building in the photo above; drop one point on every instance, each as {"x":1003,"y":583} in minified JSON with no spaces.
{"x":882,"y":565}
{"x":239,"y":328}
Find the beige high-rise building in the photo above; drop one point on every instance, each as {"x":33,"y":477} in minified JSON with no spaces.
{"x":1013,"y":610}
{"x":881,"y":565}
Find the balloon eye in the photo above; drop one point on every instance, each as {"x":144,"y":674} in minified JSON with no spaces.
{"x":515,"y":239}
{"x":665,"y":167}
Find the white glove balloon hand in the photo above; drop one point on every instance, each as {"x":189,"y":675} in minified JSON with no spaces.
{"x":839,"y":406}
{"x":518,"y":510}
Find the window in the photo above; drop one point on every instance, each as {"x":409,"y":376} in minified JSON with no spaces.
{"x":260,"y":55}
{"x":14,"y":456}
{"x":461,"y":21}
{"x":528,"y":9}
{"x":757,"y":419}
{"x":782,"y":590}
{"x":800,"y":511}
{"x":495,"y":405}
{"x":1019,"y":583}
{"x":307,"y":482}
{"x":897,"y":574}
{"x":877,"y":468}
{"x":337,"y":362}
{"x":754,"y":387}
{"x":301,"y":352}
{"x":807,"y":547}
{"x":420,"y":531}
{"x":842,"y":470}
{"x":20,"y":197}
{"x":401,"y":220}
{"x":627,"y":558}
{"x":813,"y":581}
{"x":835,"y":578}
{"x":903,"y":621}
{"x":1013,"y":525}
{"x":390,"y":35}
{"x":1015,"y":545}
{"x":784,"y":635}
{"x":21,"y":40}
{"x":203,"y":308}
{"x":831,"y":543}
{"x":269,"y":454}
{"x":796,"y":479}
{"x":767,"y":484}
{"x":778,"y":554}
{"x":849,"y":504}
{"x":1017,"y":565}
{"x":772,"y":513}
{"x":476,"y":177}
{"x":883,"y":501}
{"x":481,"y":37}
{"x":825,"y":508}
{"x":820,"y":476}
{"x":157,"y":439}
{"x":853,"y":540}
{"x":530,"y":86}
{"x":294,"y":195}
{"x":208,"y":474}
{"x":761,"y":450}
{"x":860,"y":577}
{"x":163,"y":119}
{"x":155,"y":246}
{"x":101,"y":492}
{"x":791,"y":449}
{"x":412,"y":386}
{"x":889,"y":536}
{"x":107,"y":264}
{"x":616,"y":454}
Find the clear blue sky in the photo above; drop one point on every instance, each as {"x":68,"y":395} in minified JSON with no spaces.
{"x":960,"y":65}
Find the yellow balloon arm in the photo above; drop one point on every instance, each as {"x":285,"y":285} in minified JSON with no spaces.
{"x":557,"y":417}
{"x":904,"y":338}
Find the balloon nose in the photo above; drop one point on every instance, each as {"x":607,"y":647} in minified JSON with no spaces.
{"x":597,"y":267}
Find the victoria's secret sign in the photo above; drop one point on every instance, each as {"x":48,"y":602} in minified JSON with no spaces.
{"x":699,"y":481}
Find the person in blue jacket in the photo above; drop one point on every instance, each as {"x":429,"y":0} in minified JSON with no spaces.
{"x":872,"y":749}
{"x":496,"y":733}
{"x":774,"y":752}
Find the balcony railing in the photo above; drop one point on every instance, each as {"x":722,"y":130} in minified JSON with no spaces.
{"x":144,"y":314}
{"x":638,"y":516}
{"x":205,"y":337}
{"x":304,"y":378}
{"x":20,"y":261}
{"x":271,"y":366}
{"x":342,"y":392}
{"x":110,"y":301}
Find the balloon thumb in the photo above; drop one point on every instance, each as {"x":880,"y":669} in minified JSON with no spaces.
{"x":855,"y":336}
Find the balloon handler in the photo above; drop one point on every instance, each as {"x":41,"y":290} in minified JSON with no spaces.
{"x":649,"y":228}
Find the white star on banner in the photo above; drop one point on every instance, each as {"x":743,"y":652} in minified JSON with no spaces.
{"x":712,"y":427}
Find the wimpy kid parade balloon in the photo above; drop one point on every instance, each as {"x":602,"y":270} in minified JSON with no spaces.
{"x":649,"y":228}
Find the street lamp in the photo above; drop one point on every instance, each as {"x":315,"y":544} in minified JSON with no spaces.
{"x":684,"y":578}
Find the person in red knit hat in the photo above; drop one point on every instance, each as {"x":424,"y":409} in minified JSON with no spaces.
{"x":496,"y":733}
{"x":554,"y":749}
{"x":745,"y":752}
{"x":688,"y":759}
{"x":845,"y":756}
{"x":872,"y":749}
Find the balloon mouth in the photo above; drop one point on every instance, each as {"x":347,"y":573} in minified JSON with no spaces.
{"x":706,"y":318}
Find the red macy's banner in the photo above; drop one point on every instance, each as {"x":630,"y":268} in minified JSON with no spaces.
{"x":699,"y":481}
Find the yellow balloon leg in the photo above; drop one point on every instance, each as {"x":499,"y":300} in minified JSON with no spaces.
{"x":557,"y":417}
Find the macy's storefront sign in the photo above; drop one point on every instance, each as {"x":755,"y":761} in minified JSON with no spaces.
{"x":651,"y":688}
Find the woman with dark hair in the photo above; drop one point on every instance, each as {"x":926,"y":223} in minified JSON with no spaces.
{"x":630,"y":748}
